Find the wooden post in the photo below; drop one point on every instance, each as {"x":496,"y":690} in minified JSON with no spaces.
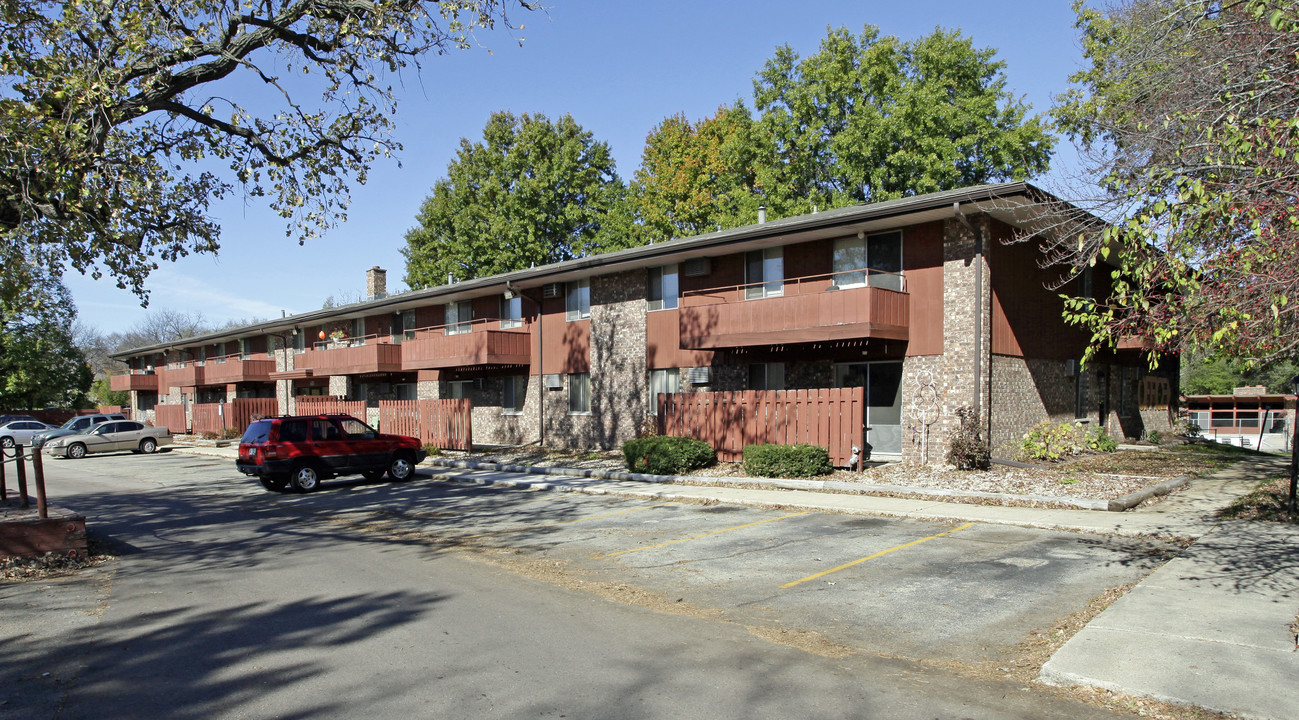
{"x":38,"y":475}
{"x":4,"y":490}
{"x":22,"y":478}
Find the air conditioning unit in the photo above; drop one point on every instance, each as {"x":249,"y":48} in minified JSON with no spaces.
{"x":553,"y":381}
{"x":552,"y":290}
{"x":697,"y":267}
{"x":701,"y":375}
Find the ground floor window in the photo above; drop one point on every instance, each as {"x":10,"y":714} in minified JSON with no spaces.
{"x":513,"y":392}
{"x":661,"y":382}
{"x":767,"y":376}
{"x":457,"y":389}
{"x":579,"y":393}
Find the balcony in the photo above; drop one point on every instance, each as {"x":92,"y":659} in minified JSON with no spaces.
{"x":234,"y":369}
{"x":351,"y":356}
{"x":135,"y":381}
{"x":465,"y":344}
{"x":809,"y":309}
{"x":183,"y":375}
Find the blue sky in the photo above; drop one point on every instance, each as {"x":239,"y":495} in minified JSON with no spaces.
{"x":617,"y":67}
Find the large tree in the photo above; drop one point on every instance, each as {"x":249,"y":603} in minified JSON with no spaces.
{"x":532,"y":191}
{"x":697,"y":176}
{"x":1188,"y":111}
{"x":872,"y":118}
{"x":40,"y":364}
{"x":117,"y":118}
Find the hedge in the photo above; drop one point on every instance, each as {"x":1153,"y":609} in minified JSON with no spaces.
{"x":786,"y":460}
{"x":667,"y":455}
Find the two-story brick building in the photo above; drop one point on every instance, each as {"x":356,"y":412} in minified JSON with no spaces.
{"x":922,"y":301}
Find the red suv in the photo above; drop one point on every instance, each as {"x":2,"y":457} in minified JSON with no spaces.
{"x":298,"y":452}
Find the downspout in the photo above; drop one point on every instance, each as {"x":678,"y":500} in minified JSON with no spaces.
{"x":978,"y":314}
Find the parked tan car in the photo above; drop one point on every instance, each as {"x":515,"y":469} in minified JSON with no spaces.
{"x":110,"y":437}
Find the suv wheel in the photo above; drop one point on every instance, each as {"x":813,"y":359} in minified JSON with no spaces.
{"x":401,"y":467}
{"x":305,"y":478}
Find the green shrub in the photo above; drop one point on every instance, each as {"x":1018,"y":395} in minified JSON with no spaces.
{"x":1154,"y":437}
{"x":667,"y":455}
{"x":1100,"y":441}
{"x":1050,"y":441}
{"x":432,"y":450}
{"x":786,"y":460}
{"x":967,"y":450}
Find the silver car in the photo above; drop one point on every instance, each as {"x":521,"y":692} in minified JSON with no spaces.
{"x":110,"y":437}
{"x":20,"y":432}
{"x":78,"y":424}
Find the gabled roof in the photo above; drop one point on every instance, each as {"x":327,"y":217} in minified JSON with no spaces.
{"x":1016,"y":203}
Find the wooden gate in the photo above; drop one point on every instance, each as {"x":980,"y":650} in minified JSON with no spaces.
{"x":171,"y":417}
{"x":206,"y":418}
{"x":330,"y":405}
{"x":833,"y":418}
{"x":446,"y":424}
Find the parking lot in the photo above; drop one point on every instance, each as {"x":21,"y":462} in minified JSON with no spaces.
{"x":962,"y":592}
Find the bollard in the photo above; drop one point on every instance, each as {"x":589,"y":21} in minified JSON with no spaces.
{"x":23,"y":502}
{"x":4,"y":491}
{"x":38,"y":475}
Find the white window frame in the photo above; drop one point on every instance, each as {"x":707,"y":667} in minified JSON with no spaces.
{"x":579,"y":393}
{"x":771,"y":282}
{"x":662,"y":381}
{"x":514,"y":394}
{"x":577,"y":299}
{"x":459,"y":318}
{"x":660,"y":286}
{"x":511,"y":312}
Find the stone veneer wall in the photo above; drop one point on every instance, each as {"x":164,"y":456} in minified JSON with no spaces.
{"x":1026,"y":392}
{"x":618,"y":369}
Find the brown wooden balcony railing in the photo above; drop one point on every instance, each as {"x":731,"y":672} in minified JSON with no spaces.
{"x":134,"y":381}
{"x":810,"y":309}
{"x":471,"y":343}
{"x":186,"y":374}
{"x":352,"y":356}
{"x":236,"y":369}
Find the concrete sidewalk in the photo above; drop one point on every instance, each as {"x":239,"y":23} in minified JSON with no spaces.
{"x":1211,"y":628}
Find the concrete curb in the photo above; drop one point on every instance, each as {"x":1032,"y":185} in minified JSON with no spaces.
{"x":765,"y":483}
{"x":1131,"y":500}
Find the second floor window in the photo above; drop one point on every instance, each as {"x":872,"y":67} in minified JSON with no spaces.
{"x":220,"y":352}
{"x":764,"y":273}
{"x":874,"y":260}
{"x":511,"y":312}
{"x":459,"y":316}
{"x":578,"y":300}
{"x":663,"y":288}
{"x":299,"y":342}
{"x":245,"y":349}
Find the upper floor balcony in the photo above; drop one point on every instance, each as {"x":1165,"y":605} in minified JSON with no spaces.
{"x":236,"y":369}
{"x":351,"y":356}
{"x":836,"y":306}
{"x":479,"y":342}
{"x":138,"y":381}
{"x":183,"y":374}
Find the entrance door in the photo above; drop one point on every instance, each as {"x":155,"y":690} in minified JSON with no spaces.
{"x":883,"y":383}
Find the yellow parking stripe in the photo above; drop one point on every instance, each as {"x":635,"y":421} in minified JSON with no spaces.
{"x":872,"y":557}
{"x":696,"y":537}
{"x":564,"y":522}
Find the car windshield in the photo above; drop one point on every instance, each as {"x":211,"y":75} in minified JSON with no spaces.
{"x":70,"y":425}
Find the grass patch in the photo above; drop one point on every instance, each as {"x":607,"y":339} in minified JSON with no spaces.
{"x":1268,"y":503}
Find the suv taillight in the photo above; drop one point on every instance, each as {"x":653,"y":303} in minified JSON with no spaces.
{"x":268,"y":452}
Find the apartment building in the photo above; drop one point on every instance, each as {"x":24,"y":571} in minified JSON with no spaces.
{"x":924,"y":301}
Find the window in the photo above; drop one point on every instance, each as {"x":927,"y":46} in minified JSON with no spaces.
{"x":767,"y":376}
{"x":513,"y":394}
{"x":245,"y":349}
{"x":459,"y":316}
{"x":663,"y":288}
{"x":457,"y":389}
{"x":578,"y":299}
{"x":884,"y":258}
{"x":406,"y":391}
{"x":358,"y":331}
{"x":511,"y":312}
{"x":202,"y":356}
{"x":764,"y":273}
{"x":579,"y":393}
{"x":299,"y":342}
{"x":324,"y":430}
{"x":270,"y":346}
{"x":662,"y":381}
{"x":293,"y":431}
{"x":354,"y":428}
{"x":850,"y":262}
{"x":220,"y":352}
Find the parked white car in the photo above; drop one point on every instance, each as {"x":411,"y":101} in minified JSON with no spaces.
{"x":109,"y":437}
{"x":20,"y":432}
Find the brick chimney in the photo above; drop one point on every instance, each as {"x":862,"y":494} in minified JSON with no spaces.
{"x":376,"y":283}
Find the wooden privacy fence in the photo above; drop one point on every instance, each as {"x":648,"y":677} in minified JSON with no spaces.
{"x":445,"y":423}
{"x":330,"y":405}
{"x":830,"y":417}
{"x":237,"y":414}
{"x":171,"y":417}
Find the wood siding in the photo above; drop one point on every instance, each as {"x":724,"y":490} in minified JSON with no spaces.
{"x":713,"y":321}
